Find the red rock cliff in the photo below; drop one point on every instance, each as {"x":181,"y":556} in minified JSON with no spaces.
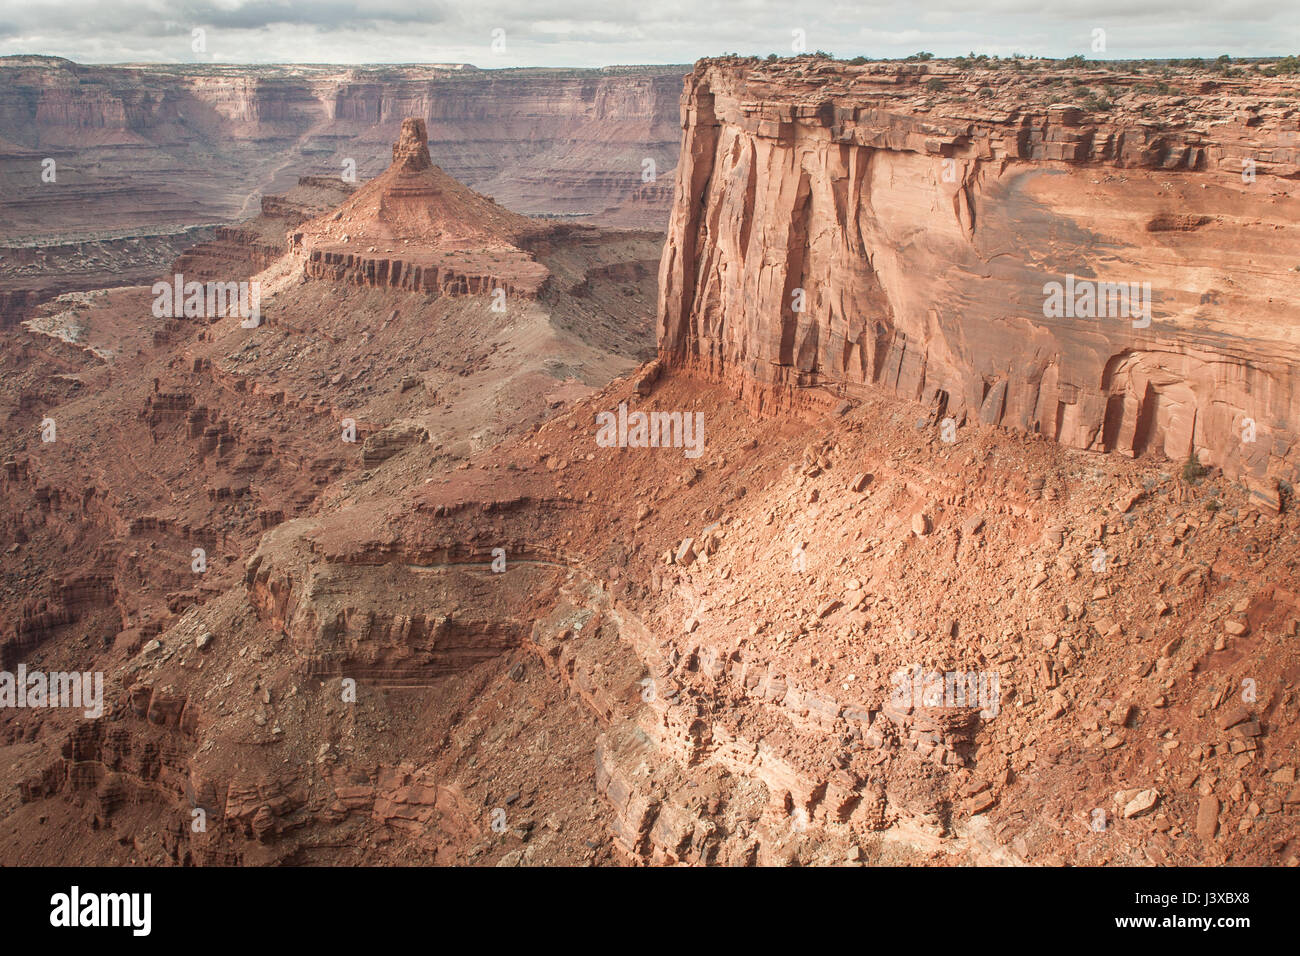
{"x":920,"y":217}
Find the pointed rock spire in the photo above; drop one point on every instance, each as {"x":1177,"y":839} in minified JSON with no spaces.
{"x":411,"y":151}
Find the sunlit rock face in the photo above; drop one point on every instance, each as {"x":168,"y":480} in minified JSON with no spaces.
{"x":1119,"y":279}
{"x":411,"y":151}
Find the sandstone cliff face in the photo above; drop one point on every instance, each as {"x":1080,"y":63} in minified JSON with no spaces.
{"x":919,"y":230}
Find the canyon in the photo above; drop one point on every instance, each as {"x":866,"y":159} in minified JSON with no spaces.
{"x":148,"y":160}
{"x":951,"y":580}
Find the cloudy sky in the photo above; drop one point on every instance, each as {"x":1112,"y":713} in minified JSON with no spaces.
{"x":601,"y":32}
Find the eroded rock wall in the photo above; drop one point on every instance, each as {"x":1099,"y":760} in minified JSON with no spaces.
{"x":857,"y":227}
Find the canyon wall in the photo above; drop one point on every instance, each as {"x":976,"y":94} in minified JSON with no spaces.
{"x":108,"y":173}
{"x":140,"y":147}
{"x":837,"y":228}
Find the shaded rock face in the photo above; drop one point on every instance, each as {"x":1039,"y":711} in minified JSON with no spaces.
{"x":849,"y":228}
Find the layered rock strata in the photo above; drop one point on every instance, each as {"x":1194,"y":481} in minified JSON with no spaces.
{"x":1118,"y":277}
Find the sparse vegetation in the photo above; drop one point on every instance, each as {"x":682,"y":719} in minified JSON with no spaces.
{"x":1193,"y":470}
{"x":971,"y":60}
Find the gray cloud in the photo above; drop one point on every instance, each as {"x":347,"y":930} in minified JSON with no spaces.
{"x":600,"y":32}
{"x":318,"y":13}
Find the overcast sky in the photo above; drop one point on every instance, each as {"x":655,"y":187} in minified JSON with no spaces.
{"x":603,"y":32}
